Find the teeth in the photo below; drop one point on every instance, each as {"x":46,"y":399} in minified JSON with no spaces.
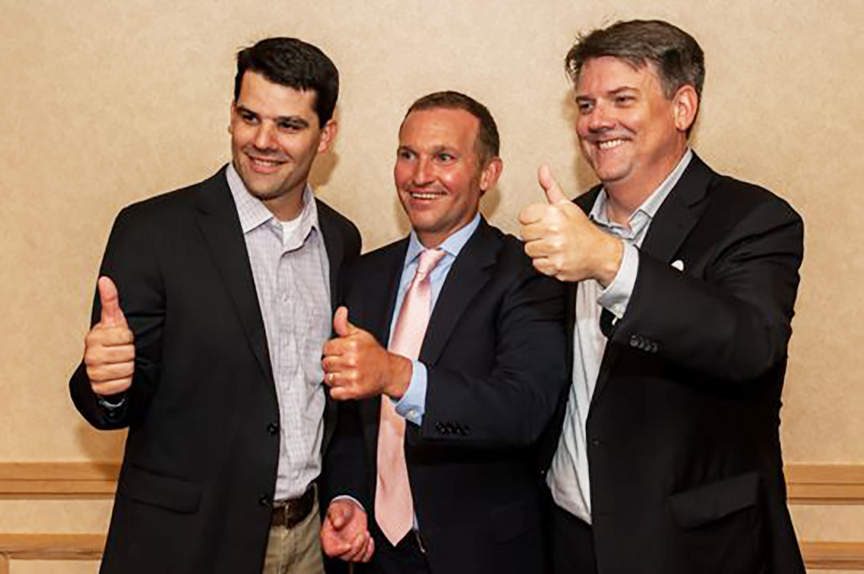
{"x":268,"y":162}
{"x":610,"y":144}
{"x":419,"y":195}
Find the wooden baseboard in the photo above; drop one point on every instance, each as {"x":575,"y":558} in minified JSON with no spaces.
{"x":817,"y":555}
{"x":833,"y":555}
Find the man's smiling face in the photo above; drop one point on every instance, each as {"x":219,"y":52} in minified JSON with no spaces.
{"x":630,"y":133}
{"x":275,"y":135}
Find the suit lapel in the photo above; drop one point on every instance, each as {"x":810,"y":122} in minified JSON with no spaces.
{"x":669,"y":228}
{"x":335,"y":249}
{"x":679,"y":213}
{"x":468,"y":275}
{"x":220,"y":225}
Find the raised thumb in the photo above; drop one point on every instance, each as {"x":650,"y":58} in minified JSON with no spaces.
{"x":550,"y":186}
{"x":112,"y":315}
{"x":341,"y":326}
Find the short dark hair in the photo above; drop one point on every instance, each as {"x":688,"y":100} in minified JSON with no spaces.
{"x":488,"y":142}
{"x":294,"y":64}
{"x":676,"y":54}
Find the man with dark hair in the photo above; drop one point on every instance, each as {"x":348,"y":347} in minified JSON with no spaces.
{"x":440,"y":453}
{"x":681,"y":286}
{"x":214,"y":302}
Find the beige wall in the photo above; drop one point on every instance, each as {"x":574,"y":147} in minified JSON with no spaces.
{"x":107,"y":102}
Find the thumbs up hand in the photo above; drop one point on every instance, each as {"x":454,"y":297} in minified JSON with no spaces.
{"x":109,"y":354}
{"x":356,"y":366}
{"x":562,"y":241}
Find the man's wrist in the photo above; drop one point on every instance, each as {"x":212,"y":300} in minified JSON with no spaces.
{"x":611,"y":256}
{"x":400,"y":370}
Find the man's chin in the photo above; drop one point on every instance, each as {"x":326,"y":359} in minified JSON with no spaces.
{"x":265,"y":194}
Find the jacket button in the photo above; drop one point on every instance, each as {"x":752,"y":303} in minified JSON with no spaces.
{"x":273,"y":428}
{"x":264,"y":500}
{"x":596,"y":442}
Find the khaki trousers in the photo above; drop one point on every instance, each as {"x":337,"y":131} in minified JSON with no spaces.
{"x":295,"y":550}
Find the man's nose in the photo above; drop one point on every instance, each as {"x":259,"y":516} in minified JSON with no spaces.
{"x":423,"y":172}
{"x":264,"y":136}
{"x":600,"y":117}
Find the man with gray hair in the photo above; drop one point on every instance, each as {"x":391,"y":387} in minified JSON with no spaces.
{"x":681,"y":284}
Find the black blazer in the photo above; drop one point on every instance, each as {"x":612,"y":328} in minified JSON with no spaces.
{"x":495,"y":353}
{"x":201,"y":454}
{"x":684,"y":450}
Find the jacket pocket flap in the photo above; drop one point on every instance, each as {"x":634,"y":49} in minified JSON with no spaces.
{"x":159,"y":490}
{"x":713,"y":501}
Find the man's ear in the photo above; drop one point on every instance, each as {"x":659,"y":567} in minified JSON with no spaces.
{"x":233,"y":110}
{"x":490,"y":174}
{"x":686,"y":105}
{"x":328,"y":134}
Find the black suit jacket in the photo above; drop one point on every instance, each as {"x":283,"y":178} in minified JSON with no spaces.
{"x":684,"y":450}
{"x":203,"y":445}
{"x":495,"y":353}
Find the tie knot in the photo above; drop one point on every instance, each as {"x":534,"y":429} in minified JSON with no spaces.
{"x":429,"y":258}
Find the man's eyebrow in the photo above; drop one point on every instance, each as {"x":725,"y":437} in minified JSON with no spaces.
{"x":296,"y":120}
{"x":444,"y":148}
{"x":243,"y":109}
{"x":613,"y":92}
{"x":623,"y":89}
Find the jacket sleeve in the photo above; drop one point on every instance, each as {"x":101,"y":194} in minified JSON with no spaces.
{"x":732,"y":319}
{"x":511,"y":404}
{"x":130,"y":261}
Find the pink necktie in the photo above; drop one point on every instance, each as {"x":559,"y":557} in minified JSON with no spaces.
{"x":394,"y":508}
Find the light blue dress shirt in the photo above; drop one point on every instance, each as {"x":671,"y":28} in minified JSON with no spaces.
{"x":412,"y":405}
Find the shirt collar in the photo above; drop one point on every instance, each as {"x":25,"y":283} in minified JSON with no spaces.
{"x":650,"y":206}
{"x":451,"y":246}
{"x":253,"y":213}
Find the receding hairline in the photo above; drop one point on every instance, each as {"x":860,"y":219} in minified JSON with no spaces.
{"x":485,"y":155}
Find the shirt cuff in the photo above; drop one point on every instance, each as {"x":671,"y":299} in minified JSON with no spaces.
{"x":348,"y":497}
{"x":616,"y":296}
{"x":412,"y":405}
{"x":111,"y":402}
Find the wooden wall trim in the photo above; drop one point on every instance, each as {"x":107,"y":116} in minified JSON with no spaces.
{"x":817,"y":555}
{"x":833,"y":555}
{"x":51,"y":546}
{"x":825,"y":483}
{"x":808,"y":483}
{"x":58,"y":479}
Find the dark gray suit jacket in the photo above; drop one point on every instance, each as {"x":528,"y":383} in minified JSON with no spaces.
{"x":683,"y":428}
{"x":199,"y":469}
{"x":495,"y":353}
